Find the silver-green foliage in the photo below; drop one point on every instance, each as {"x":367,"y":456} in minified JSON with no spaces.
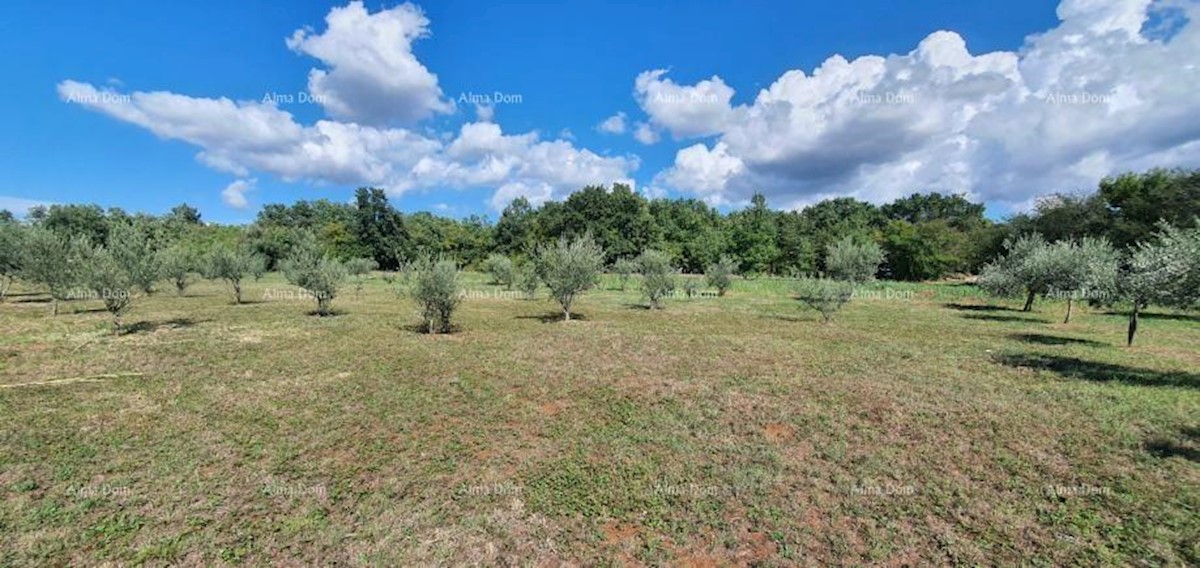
{"x":178,"y":263}
{"x":53,"y":261}
{"x":658,"y":276}
{"x":853,"y":261}
{"x":1163,"y":272}
{"x":501,"y":268}
{"x":624,"y":268}
{"x":720,"y":274}
{"x":825,"y":295}
{"x":570,"y":267}
{"x":233,"y":265}
{"x":111,"y":276}
{"x":360,"y":268}
{"x":317,"y":274}
{"x":11,"y":237}
{"x":527,"y":280}
{"x":435,"y":289}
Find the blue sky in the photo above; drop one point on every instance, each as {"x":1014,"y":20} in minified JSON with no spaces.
{"x":145,"y":105}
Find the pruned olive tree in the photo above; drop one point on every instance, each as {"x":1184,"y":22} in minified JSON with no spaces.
{"x":320,"y":275}
{"x":53,"y":261}
{"x":570,"y":267}
{"x":1027,"y":267}
{"x":853,"y":261}
{"x":1164,"y":271}
{"x":658,"y":276}
{"x":825,"y":295}
{"x":501,"y":268}
{"x":527,"y":280}
{"x":135,"y":254}
{"x":233,"y":265}
{"x":1084,"y":270}
{"x":624,"y":268}
{"x":435,"y":289}
{"x":719,"y":274}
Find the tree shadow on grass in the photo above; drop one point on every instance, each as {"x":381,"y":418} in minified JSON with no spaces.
{"x":1158,"y":316}
{"x":1075,"y":368}
{"x":1042,"y":339}
{"x":979,"y":308}
{"x":990,"y":317}
{"x":422,"y":329}
{"x":151,"y":326}
{"x":554,"y":317}
{"x":1186,"y":445}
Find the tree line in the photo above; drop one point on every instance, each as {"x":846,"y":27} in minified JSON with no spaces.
{"x":1076,"y":247}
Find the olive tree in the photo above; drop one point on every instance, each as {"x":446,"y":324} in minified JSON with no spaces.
{"x":1164,"y":272}
{"x":135,"y":254}
{"x":853,"y":261}
{"x":501,"y":268}
{"x":658,"y":276}
{"x":527,"y":280}
{"x":1084,"y":270}
{"x":359,"y":268}
{"x":825,"y":295}
{"x":11,"y":247}
{"x":317,"y":274}
{"x":624,"y":268}
{"x":110,"y":276}
{"x":570,"y":267}
{"x":233,"y":265}
{"x":178,"y":263}
{"x":719,"y":274}
{"x":435,"y":289}
{"x":1027,"y":267}
{"x":53,"y":261}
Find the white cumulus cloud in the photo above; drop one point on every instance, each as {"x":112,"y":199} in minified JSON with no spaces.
{"x":614,"y":124}
{"x":1092,"y":97}
{"x":234,"y":194}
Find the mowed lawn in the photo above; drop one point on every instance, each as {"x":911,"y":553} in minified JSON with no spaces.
{"x":920,"y":427}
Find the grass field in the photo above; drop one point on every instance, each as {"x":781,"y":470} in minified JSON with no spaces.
{"x":923,"y":426}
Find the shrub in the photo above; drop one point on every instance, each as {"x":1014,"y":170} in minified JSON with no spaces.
{"x":569,"y":268}
{"x":318,"y":274}
{"x":853,"y":261}
{"x":359,"y":268}
{"x":824,"y":295}
{"x":435,"y":289}
{"x":624,"y":268}
{"x":233,"y":264}
{"x":658,"y":276}
{"x":691,"y":287}
{"x":134,"y":253}
{"x":501,"y":269}
{"x":720,"y":274}
{"x":527,"y":280}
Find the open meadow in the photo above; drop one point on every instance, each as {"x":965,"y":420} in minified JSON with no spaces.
{"x":924,"y":425}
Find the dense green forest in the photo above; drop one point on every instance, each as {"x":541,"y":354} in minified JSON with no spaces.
{"x":924,"y":236}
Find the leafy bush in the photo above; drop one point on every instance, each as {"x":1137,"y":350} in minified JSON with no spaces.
{"x":131,"y":245}
{"x":435,"y":289}
{"x":318,"y":274}
{"x":691,"y":287}
{"x":720,"y":274}
{"x":624,"y":268}
{"x":527,"y":280}
{"x":824,"y":295}
{"x":501,"y":269}
{"x":110,"y":277}
{"x":658,"y":276}
{"x":853,"y":261}
{"x":359,"y":268}
{"x":569,"y":268}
